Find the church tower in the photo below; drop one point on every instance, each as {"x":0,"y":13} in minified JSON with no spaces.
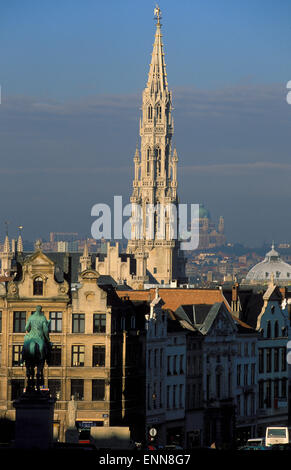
{"x":155,"y":175}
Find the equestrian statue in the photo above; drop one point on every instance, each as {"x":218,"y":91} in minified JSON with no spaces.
{"x":36,"y":348}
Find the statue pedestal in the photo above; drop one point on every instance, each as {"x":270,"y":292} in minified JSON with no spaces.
{"x":34,"y":420}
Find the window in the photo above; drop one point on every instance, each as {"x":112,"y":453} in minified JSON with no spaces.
{"x":155,"y":358}
{"x":169,"y":365}
{"x":283,"y":359}
{"x":78,"y":323}
{"x":245,"y":405}
{"x":56,"y":356}
{"x":0,"y":322}
{"x":181,"y":364}
{"x":161,"y":358}
{"x":0,"y":354}
{"x":269,"y":359}
{"x":98,"y":356}
{"x":150,"y":112}
{"x":19,"y":321}
{"x":174,"y":395}
{"x":284,"y":388}
{"x":132,"y":322}
{"x":268,"y":394}
{"x":261,"y":394}
{"x":159,"y":112}
{"x":17,"y":387}
{"x":253,"y":374}
{"x":122,"y":323}
{"x":158,"y":161}
{"x":98,"y":389}
{"x":149,"y":358}
{"x":38,"y":286}
{"x":246,"y":371}
{"x":246,"y":349}
{"x":175,"y":365}
{"x":208,"y":387}
{"x":168,"y":396}
{"x":16,"y":355}
{"x":276,"y":359}
{"x":148,"y":161}
{"x":99,"y":323}
{"x":218,"y":385}
{"x":276,"y":389}
{"x":238,"y":374}
{"x":77,"y":389}
{"x":229,"y":383}
{"x":54,"y":386}
{"x":276,"y":329}
{"x":180,"y":396}
{"x":78,"y":356}
{"x":56,"y":322}
{"x":253,"y":349}
{"x":268,"y":329}
{"x":261,"y":360}
{"x":238,"y":406}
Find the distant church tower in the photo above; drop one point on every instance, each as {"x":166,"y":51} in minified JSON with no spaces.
{"x":155,"y":174}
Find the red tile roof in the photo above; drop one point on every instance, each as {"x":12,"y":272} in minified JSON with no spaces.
{"x":173,"y":298}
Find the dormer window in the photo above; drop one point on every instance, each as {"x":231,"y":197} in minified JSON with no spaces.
{"x":38,"y":286}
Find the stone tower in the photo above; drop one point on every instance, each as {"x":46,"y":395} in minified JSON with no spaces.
{"x":155,"y":176}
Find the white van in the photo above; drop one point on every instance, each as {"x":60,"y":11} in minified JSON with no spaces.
{"x":277,"y":435}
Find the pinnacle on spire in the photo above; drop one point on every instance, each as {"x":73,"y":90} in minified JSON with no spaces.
{"x":157,"y":79}
{"x":136,"y":155}
{"x":85,"y":251}
{"x":19,"y":244}
{"x":6,"y":248}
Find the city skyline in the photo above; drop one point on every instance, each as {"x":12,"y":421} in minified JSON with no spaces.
{"x":69,"y":118}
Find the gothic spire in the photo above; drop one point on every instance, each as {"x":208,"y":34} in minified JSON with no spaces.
{"x":157,"y":78}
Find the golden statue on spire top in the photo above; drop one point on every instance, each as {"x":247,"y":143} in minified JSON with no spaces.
{"x":157,"y":13}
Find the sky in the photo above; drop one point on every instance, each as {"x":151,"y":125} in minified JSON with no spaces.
{"x":72,"y":74}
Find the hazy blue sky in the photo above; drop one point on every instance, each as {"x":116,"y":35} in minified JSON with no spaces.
{"x":72,"y":73}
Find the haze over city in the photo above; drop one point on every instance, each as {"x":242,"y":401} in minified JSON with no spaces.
{"x":72,"y":75}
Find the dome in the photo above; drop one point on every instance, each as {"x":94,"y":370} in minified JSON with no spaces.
{"x":203,"y":212}
{"x":271,"y":266}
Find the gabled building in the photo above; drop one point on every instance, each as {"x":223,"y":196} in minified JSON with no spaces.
{"x":273,"y":324}
{"x":98,"y":340}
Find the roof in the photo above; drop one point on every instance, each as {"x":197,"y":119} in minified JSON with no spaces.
{"x":174,"y":298}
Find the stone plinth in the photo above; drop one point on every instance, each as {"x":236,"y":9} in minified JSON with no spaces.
{"x":34,"y":420}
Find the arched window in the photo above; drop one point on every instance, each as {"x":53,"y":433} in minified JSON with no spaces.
{"x":132,"y":322}
{"x":150,"y":112}
{"x":268,"y":329}
{"x":159,"y":160}
{"x":38,"y":286}
{"x":159,"y":112}
{"x":276,"y":330}
{"x":148,"y":161}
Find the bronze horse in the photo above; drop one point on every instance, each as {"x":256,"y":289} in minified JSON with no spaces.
{"x":36,"y":348}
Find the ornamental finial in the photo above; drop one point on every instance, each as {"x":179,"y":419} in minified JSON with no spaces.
{"x":157,"y":13}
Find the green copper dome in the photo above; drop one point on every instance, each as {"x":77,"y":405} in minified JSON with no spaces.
{"x":203,"y":212}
